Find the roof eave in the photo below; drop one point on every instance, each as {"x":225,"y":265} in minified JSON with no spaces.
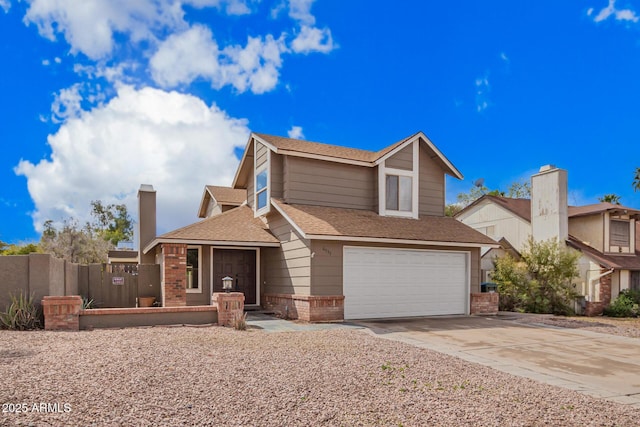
{"x":401,"y":241}
{"x":159,"y":241}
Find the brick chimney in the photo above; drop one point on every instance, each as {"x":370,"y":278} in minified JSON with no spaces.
{"x":146,"y":221}
{"x":549,"y":209}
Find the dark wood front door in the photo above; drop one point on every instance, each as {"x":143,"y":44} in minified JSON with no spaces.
{"x":239,"y":265}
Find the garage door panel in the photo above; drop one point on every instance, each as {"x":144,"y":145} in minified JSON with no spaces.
{"x":382,"y":282}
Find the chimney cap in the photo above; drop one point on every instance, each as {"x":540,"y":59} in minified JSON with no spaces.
{"x":147,"y":187}
{"x":547,"y":168}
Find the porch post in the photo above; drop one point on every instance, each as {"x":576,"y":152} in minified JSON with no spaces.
{"x":175,"y":274}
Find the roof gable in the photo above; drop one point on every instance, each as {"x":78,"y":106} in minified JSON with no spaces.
{"x":234,"y":227}
{"x":335,"y":153}
{"x":222,"y":195}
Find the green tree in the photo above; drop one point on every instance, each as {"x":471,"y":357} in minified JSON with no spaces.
{"x":541,"y":282}
{"x":112,"y":222}
{"x":74,"y":243}
{"x":21,"y":249}
{"x":519,"y":190}
{"x":89,"y":243}
{"x":610,"y":198}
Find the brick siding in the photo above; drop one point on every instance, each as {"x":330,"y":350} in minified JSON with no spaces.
{"x":308,"y":308}
{"x":485,"y":303}
{"x":62,"y":313}
{"x":175,"y":274}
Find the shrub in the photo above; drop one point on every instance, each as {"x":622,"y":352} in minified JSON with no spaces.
{"x":540,"y":282}
{"x":626,"y":305}
{"x":22,"y":314}
{"x":240,"y":322}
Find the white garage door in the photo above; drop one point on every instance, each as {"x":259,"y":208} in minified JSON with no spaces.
{"x":400,"y":283}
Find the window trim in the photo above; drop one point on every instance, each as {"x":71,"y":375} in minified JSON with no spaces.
{"x":414,"y":174}
{"x":199,"y":289}
{"x":266,"y":166}
{"x":628,"y":231}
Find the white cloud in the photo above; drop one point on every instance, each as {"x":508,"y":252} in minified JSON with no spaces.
{"x":46,"y":62}
{"x":89,"y":26}
{"x":5,"y":5}
{"x":482,"y":93}
{"x":504,"y":57}
{"x":173,"y":141}
{"x":194,"y":54}
{"x":66,"y":104}
{"x":311,"y":39}
{"x":295,"y":132}
{"x":300,"y":10}
{"x":618,"y":14}
{"x":231,"y":7}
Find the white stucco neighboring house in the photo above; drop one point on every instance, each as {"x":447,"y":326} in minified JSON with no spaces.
{"x":606,"y":234}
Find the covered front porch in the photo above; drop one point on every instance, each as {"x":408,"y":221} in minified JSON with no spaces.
{"x":194,"y":259}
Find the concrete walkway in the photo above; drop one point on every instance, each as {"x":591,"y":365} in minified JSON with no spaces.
{"x":274,"y":324}
{"x":596,"y":364}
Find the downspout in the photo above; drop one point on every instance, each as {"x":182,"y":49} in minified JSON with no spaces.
{"x":592,"y":283}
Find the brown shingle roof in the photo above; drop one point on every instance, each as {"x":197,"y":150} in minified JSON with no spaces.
{"x":321,"y":149}
{"x":619,"y":262}
{"x":227,"y":195}
{"x":598,"y":208}
{"x":339,"y":222}
{"x":236,"y":225}
{"x":522,"y":207}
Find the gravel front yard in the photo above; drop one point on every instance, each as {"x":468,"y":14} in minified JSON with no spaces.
{"x":218,"y":376}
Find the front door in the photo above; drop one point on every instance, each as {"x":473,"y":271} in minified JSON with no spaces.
{"x":240,"y":265}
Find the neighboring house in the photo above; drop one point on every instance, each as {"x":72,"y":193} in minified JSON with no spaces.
{"x":606,"y":234}
{"x":325,"y":233}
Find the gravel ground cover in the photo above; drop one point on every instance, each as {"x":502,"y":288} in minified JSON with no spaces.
{"x":213,"y":376}
{"x":606,"y":325}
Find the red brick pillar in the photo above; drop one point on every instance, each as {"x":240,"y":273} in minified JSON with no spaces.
{"x":62,"y":313}
{"x":605,"y":288}
{"x":485,"y":303}
{"x":175,"y":274}
{"x":230,"y":305}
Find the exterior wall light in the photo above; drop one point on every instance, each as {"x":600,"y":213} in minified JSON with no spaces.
{"x":227,"y":284}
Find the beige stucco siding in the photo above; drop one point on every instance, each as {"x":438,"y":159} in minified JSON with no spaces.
{"x":403,"y":159}
{"x":589,"y":229}
{"x":326,"y":264}
{"x":431,"y":190}
{"x":497,"y":223}
{"x":317,"y":182}
{"x":287,"y":269}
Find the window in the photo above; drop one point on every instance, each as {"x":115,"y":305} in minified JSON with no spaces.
{"x":193,"y":270}
{"x":619,"y":233}
{"x":399,"y":193}
{"x":262,"y":189}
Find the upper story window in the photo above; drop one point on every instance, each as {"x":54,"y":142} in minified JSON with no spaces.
{"x":399,"y":193}
{"x":262,"y":189}
{"x":619,"y":233}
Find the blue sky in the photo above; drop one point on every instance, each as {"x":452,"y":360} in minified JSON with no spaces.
{"x":101,"y":96}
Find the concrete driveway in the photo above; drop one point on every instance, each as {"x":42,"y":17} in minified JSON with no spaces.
{"x":592,"y":363}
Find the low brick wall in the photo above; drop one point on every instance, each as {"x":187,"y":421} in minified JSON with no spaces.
{"x":593,"y":308}
{"x":147,"y":316}
{"x":230,"y":305}
{"x":62,"y":313}
{"x":327,"y":308}
{"x":485,"y":303}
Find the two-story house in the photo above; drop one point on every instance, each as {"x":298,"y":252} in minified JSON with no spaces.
{"x":606,"y":234}
{"x":322,"y":232}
